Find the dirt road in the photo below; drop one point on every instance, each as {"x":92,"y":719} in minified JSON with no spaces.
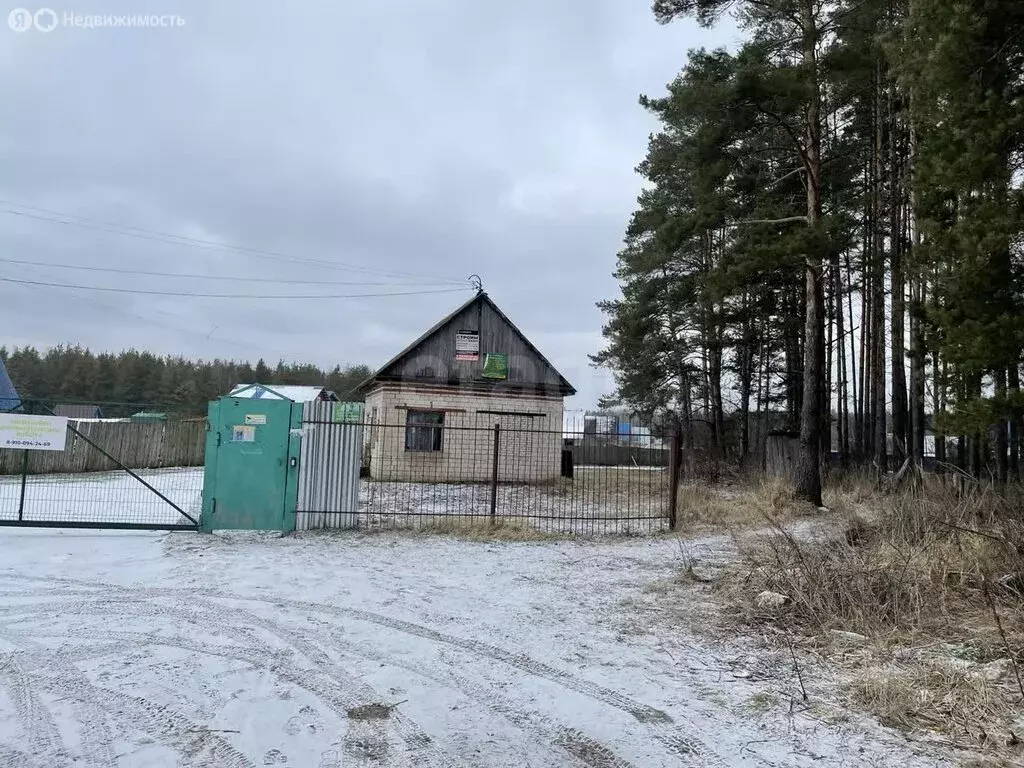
{"x":355,"y":650}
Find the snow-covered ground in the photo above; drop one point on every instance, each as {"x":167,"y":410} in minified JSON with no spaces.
{"x":598,"y":500}
{"x":138,"y":649}
{"x":111,"y":497}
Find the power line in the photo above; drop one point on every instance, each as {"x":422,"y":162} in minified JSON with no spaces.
{"x":226,"y":295}
{"x":87,"y":268}
{"x":174,"y":327}
{"x":194,"y":242}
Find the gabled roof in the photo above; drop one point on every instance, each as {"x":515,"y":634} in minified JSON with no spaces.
{"x":9,"y":399}
{"x":480,"y":297}
{"x":293,"y":392}
{"x":77,"y":411}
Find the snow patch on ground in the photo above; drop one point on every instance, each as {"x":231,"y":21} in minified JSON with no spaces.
{"x":125,"y":649}
{"x":105,"y":496}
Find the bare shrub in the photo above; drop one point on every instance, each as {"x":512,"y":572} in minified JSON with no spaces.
{"x":921,"y":562}
{"x":941,"y":571}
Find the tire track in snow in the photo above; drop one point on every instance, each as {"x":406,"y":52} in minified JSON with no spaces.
{"x":367,"y":741}
{"x":366,"y":736}
{"x":94,"y":734}
{"x":42,"y":737}
{"x":677,"y":740}
{"x":577,"y":744}
{"x":13,"y":758}
{"x":56,"y":673}
{"x":198,"y":747}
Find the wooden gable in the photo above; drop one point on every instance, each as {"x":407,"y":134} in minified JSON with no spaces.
{"x":476,"y":347}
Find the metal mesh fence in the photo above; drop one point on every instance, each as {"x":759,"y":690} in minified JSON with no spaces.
{"x":112,"y":472}
{"x":460,"y":472}
{"x":446,"y":471}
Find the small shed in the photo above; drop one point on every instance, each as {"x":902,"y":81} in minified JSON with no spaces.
{"x":78,"y":411}
{"x":781,"y":453}
{"x":147,"y":417}
{"x":293,"y":392}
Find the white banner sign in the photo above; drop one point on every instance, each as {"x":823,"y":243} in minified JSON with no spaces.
{"x":467,"y":345}
{"x":34,"y":433}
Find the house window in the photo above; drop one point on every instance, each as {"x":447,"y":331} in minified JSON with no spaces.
{"x":423,"y":430}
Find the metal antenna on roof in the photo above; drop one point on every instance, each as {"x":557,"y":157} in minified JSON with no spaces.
{"x":476,"y":282}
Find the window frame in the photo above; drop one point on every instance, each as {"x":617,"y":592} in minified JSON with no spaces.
{"x":414,"y":428}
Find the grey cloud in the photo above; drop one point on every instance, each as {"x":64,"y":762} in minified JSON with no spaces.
{"x":439,"y":138}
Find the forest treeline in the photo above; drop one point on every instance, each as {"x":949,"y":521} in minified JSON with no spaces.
{"x":77,"y":374}
{"x":832,"y":231}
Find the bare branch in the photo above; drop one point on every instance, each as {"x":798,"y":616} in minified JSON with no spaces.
{"x":782,"y":178}
{"x":783,"y":220}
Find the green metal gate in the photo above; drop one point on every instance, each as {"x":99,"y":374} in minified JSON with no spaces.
{"x":252,"y":464}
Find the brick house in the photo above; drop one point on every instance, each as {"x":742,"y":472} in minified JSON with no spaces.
{"x":432,"y":408}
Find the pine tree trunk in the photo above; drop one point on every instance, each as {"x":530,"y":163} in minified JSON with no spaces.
{"x":917,"y":304}
{"x":827,"y":384}
{"x":1001,"y":442}
{"x":763,"y":384}
{"x":878,"y":295}
{"x":745,"y":360}
{"x":842,"y":406}
{"x":717,"y":411}
{"x":938,"y":387}
{"x":917,"y":372}
{"x":1013,"y":381}
{"x":899,"y":375}
{"x":794,"y":365}
{"x":808,"y":471}
{"x":690,"y":462}
{"x":858,"y":434}
{"x":940,"y":437}
{"x":867,"y":357}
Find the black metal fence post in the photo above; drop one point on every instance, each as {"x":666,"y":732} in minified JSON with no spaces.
{"x":24,"y":480}
{"x":494,"y":473}
{"x":674,"y":467}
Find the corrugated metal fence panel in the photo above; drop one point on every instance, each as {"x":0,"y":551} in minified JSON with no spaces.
{"x":328,"y":469}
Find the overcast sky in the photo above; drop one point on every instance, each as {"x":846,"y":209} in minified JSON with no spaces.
{"x":437,"y":138}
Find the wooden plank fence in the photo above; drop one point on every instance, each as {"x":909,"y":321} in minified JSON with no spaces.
{"x":138,"y":445}
{"x":598,"y":453}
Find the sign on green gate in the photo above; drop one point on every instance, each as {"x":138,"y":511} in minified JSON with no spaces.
{"x":347,"y":413}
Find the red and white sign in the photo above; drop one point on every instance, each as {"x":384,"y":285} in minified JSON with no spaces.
{"x":467,"y":346}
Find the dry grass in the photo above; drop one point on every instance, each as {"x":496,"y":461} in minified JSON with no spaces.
{"x":752,"y":504}
{"x":936,"y":697}
{"x":917,"y":565}
{"x":934,"y":581}
{"x":480,"y":528}
{"x":611,"y":482}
